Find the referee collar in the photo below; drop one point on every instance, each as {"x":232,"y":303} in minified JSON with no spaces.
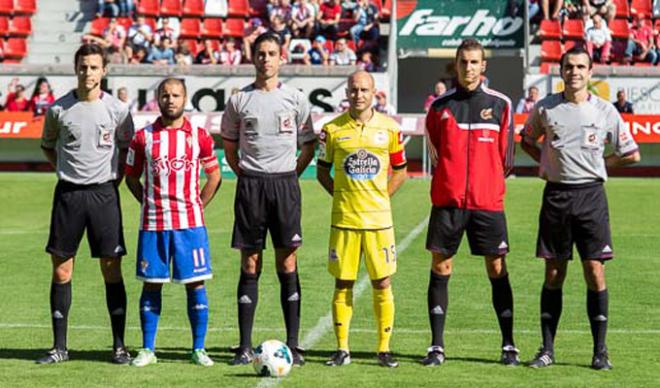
{"x":186,"y":127}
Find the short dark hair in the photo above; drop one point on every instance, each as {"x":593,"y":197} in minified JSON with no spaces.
{"x":576,"y":50}
{"x":171,"y":80}
{"x":470,"y":44}
{"x":266,"y":37}
{"x":90,"y":49}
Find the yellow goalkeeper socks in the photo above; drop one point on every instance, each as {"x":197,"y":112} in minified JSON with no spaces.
{"x":383,"y":301}
{"x":342,"y":311}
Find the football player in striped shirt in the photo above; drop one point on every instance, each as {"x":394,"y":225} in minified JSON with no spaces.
{"x":170,"y":153}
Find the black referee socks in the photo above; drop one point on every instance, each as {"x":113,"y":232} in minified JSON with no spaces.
{"x":290,"y":301}
{"x":438,"y":299}
{"x":503,"y":304}
{"x":60,"y":302}
{"x":597,"y":302}
{"x":115,"y":298}
{"x":551,"y":305}
{"x":248,"y":296}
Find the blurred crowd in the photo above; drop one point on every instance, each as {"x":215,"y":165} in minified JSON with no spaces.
{"x":313,"y":32}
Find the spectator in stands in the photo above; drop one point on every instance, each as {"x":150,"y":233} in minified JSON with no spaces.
{"x":125,"y":8}
{"x":574,"y":9}
{"x":366,"y":62}
{"x":526,"y":104}
{"x":318,"y":54}
{"x":330,"y":12}
{"x":302,"y":19}
{"x":366,"y":22}
{"x":209,"y":55}
{"x":599,"y":40}
{"x":151,"y":105}
{"x":640,"y":45}
{"x":183,"y":54}
{"x":382,"y":105}
{"x":42,"y":97}
{"x":343,"y":55}
{"x":16,"y":101}
{"x":140,"y":34}
{"x":114,"y":35}
{"x":161,"y":54}
{"x":279,"y":28}
{"x":107,"y":8}
{"x":254,"y":29}
{"x":533,"y":9}
{"x":136,"y":57}
{"x":283,"y":9}
{"x":122,"y":95}
{"x":551,"y":5}
{"x":604,"y":8}
{"x":438,"y":90}
{"x":166,"y":30}
{"x":621,"y":104}
{"x":230,"y":54}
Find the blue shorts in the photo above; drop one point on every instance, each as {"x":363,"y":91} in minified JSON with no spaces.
{"x":187,"y":249}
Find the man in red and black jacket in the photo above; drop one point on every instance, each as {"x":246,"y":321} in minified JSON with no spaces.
{"x":470,"y":136}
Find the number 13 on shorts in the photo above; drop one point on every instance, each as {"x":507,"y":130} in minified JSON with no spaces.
{"x":348,"y":246}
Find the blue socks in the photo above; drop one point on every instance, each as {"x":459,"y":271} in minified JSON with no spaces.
{"x":150,"y":305}
{"x":198,"y":314}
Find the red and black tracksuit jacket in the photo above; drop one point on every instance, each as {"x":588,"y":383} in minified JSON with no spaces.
{"x":471,"y":133}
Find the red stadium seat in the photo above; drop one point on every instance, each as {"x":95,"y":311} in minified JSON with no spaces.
{"x":4,"y":25}
{"x":330,"y":46}
{"x":190,"y":28}
{"x":238,"y":8}
{"x":125,"y":22}
{"x":258,"y":8}
{"x":622,"y":9}
{"x":574,"y":43}
{"x":98,"y":25}
{"x":573,"y":29}
{"x":151,"y":22}
{"x":6,"y":7}
{"x":193,"y":45}
{"x":212,"y":28}
{"x":20,"y":26}
{"x":234,"y":27}
{"x":620,"y":28}
{"x":193,"y":8}
{"x":148,"y":7}
{"x":170,"y":8}
{"x":641,"y":8}
{"x":15,"y":48}
{"x":550,"y":29}
{"x":551,"y":51}
{"x":25,"y":7}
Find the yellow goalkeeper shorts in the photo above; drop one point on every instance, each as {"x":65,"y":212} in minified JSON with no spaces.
{"x":347,"y":245}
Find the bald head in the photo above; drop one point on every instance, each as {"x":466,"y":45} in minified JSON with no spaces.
{"x":361,"y":75}
{"x":360,"y":91}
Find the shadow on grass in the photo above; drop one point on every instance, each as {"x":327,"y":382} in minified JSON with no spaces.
{"x":171,"y":354}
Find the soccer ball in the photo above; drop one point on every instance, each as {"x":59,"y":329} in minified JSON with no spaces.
{"x":272,"y":358}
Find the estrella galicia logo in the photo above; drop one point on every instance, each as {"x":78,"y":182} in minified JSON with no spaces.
{"x":362,"y":165}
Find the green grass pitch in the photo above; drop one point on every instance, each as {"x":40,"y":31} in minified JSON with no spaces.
{"x":472,"y":337}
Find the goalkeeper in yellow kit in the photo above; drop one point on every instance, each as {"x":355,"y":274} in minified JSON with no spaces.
{"x":361,"y":144}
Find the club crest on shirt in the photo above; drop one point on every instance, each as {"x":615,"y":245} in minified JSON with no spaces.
{"x":380,"y":137}
{"x":486,"y":114}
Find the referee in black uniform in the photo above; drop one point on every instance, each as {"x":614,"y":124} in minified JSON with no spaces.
{"x":85,"y":137}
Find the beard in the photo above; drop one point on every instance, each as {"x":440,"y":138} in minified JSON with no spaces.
{"x":171,"y":117}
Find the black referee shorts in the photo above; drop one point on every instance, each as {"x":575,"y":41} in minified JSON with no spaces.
{"x":486,"y":231}
{"x":93,"y":207}
{"x":267,"y":202}
{"x":574,"y":214}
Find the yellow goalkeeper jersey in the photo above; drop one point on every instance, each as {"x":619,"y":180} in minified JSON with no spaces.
{"x":361,"y":155}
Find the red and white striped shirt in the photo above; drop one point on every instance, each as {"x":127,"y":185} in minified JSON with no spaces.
{"x":171,"y":159}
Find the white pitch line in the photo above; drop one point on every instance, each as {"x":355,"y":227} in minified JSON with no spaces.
{"x":325,"y":322}
{"x":400,"y":330}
